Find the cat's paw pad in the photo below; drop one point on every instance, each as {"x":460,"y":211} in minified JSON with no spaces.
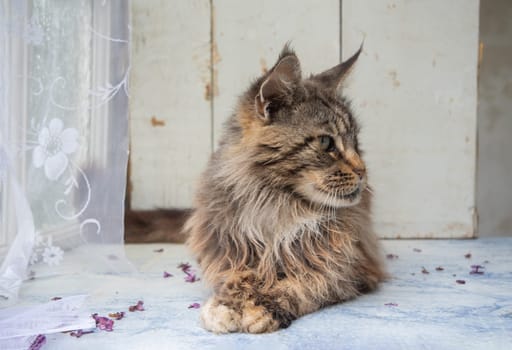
{"x":257,"y":319}
{"x":219,"y":318}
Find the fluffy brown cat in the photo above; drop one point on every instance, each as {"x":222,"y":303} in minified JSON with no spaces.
{"x":281,"y":225}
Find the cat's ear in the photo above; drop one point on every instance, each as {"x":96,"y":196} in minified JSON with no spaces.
{"x":278,"y":87}
{"x":332,"y":78}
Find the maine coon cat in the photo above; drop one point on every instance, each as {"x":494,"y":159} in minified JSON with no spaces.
{"x":281,"y":225}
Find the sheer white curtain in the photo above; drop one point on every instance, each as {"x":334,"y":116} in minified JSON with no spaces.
{"x":64,"y":68}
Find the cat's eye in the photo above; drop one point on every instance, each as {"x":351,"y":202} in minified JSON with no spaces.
{"x":327,"y":143}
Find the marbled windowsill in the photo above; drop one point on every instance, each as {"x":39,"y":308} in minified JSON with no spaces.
{"x":432,"y":311}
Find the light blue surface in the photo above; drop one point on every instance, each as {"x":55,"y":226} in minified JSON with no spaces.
{"x":433,"y":311}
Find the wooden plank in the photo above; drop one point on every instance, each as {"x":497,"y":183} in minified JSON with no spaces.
{"x":248,"y":36}
{"x":414,"y":89}
{"x":170,"y":116}
{"x":494,"y":193}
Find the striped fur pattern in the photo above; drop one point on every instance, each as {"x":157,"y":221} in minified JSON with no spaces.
{"x":281,"y":225}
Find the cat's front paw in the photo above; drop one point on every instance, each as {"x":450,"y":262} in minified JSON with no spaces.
{"x":259,"y":319}
{"x":219,"y":318}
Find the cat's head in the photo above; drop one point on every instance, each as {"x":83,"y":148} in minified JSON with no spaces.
{"x":301,"y":134}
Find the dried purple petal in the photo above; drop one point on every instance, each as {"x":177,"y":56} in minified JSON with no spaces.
{"x":103,"y":323}
{"x":194,"y":306}
{"x":191,"y":277}
{"x":185,"y":267}
{"x":467,"y":255}
{"x":161,"y":250}
{"x":439,"y":268}
{"x":138,"y":307}
{"x":116,"y":315}
{"x":460,"y":281}
{"x":475,"y":270}
{"x":38,"y":342}
{"x":167,"y":274}
{"x":417,"y":250}
{"x":424,"y":270}
{"x":391,"y":256}
{"x":55,"y":298}
{"x":79,"y":332}
{"x":391,"y":304}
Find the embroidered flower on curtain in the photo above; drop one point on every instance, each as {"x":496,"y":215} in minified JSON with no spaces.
{"x":45,"y":250}
{"x":50,"y":254}
{"x":54,"y":146}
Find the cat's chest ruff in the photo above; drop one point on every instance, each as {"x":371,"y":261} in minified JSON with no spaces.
{"x":301,"y":227}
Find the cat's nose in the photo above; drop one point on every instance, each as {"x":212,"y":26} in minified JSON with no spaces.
{"x":361,"y":172}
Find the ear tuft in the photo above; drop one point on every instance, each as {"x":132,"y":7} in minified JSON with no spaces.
{"x":332,"y":78}
{"x":287,"y":50}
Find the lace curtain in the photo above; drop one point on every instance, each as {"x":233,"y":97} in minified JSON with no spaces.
{"x":64,"y":68}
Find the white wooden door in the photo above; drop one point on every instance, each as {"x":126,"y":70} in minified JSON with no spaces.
{"x":414,"y":89}
{"x":170,"y":115}
{"x":415,"y":92}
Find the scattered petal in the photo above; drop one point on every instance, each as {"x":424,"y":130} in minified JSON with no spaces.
{"x":475,"y":270}
{"x":460,"y":281}
{"x":417,"y":250}
{"x":103,"y":323}
{"x":116,"y":315}
{"x":161,"y":250}
{"x":194,"y":306}
{"x":391,"y":256}
{"x":439,"y":268}
{"x":424,"y":270}
{"x":167,"y":274}
{"x":185,"y":267}
{"x":38,"y":342}
{"x":191,"y":277}
{"x":391,"y":304}
{"x":467,"y":256}
{"x":78,"y":333}
{"x":138,"y":307}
